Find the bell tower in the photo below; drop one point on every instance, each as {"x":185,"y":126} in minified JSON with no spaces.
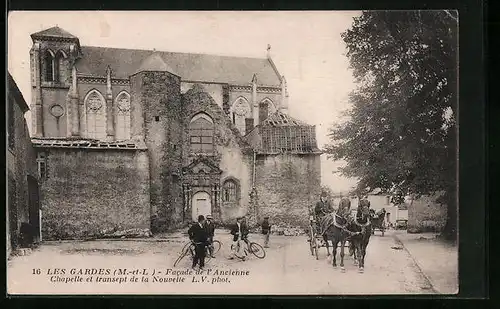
{"x":52,"y":58}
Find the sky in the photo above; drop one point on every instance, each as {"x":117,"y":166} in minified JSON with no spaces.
{"x":305,"y":46}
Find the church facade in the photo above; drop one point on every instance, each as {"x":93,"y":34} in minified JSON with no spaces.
{"x":139,"y":140}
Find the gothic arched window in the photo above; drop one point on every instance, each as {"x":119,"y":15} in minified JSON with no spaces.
{"x":230,"y":191}
{"x":240,"y":110}
{"x":122,"y":102}
{"x":266,"y":108}
{"x":49,"y":65}
{"x":59,"y":64}
{"x":95,"y":107}
{"x":201,"y":134}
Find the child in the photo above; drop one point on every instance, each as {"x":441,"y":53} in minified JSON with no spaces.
{"x":266,"y":231}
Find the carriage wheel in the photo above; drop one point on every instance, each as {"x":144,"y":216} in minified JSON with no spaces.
{"x":312,"y":240}
{"x":316,"y":245}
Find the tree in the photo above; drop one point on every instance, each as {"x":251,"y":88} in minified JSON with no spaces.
{"x":401,"y":128}
{"x":329,"y":192}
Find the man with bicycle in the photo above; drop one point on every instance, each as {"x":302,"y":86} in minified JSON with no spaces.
{"x":198,"y":235}
{"x":210,"y":227}
{"x":240,"y":233}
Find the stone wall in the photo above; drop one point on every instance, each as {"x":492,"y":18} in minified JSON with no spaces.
{"x":214,"y":90}
{"x":231,"y":155}
{"x":425,"y":215}
{"x":85,"y":88}
{"x":92,"y":193}
{"x":287,"y":186}
{"x":52,"y":126}
{"x":161,"y":106}
{"x":21,"y":163}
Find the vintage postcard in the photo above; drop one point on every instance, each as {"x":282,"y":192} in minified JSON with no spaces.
{"x":273,"y":153}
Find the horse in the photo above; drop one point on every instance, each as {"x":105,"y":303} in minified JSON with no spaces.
{"x":361,"y":228}
{"x":335,"y":230}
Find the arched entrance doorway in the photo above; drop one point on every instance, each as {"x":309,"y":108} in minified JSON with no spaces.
{"x":201,"y":205}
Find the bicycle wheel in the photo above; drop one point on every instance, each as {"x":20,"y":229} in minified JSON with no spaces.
{"x":257,"y":250}
{"x":237,"y":252}
{"x":185,"y":251}
{"x":216,"y":246}
{"x":207,"y":254}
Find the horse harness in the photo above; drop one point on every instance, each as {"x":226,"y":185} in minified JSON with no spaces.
{"x":344,"y":227}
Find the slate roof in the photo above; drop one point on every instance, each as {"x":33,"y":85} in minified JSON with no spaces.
{"x":190,"y":67}
{"x":17,"y":94}
{"x":54,"y":32}
{"x":85,"y":143}
{"x":155,"y":63}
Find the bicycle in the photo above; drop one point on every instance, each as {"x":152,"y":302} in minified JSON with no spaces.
{"x":251,"y":247}
{"x":189,"y":248}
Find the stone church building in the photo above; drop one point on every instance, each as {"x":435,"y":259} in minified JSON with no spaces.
{"x":148,"y":140}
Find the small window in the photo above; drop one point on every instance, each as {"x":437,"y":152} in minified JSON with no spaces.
{"x":230,"y":191}
{"x":157,"y":118}
{"x":42,"y":166}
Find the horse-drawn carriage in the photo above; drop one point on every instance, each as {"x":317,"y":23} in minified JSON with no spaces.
{"x":351,"y":229}
{"x":316,"y":240}
{"x":378,"y":221}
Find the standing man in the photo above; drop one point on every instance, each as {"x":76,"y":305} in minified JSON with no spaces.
{"x":266,"y":231}
{"x":239,"y":232}
{"x":210,"y":227}
{"x":198,"y":235}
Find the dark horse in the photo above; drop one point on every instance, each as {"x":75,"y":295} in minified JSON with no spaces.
{"x":336,"y":230}
{"x":362,"y":229}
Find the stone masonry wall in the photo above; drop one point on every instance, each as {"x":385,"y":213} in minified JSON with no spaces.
{"x":214,"y":90}
{"x":287,"y":186}
{"x":20,"y":164}
{"x":91,"y":193}
{"x":160,"y":101}
{"x":231,"y":151}
{"x":54,"y":127}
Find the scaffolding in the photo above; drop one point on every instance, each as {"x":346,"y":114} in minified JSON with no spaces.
{"x":282,"y":134}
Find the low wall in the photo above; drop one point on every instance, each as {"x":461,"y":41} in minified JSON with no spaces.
{"x":92,"y":193}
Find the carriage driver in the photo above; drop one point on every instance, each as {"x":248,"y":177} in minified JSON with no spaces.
{"x":323,"y":207}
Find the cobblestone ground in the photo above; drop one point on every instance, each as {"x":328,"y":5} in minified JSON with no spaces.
{"x":288,"y":268}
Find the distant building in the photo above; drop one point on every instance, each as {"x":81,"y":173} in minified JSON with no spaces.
{"x":148,"y":140}
{"x":23,"y":208}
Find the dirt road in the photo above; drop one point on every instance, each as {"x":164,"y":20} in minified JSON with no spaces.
{"x":103,"y":267}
